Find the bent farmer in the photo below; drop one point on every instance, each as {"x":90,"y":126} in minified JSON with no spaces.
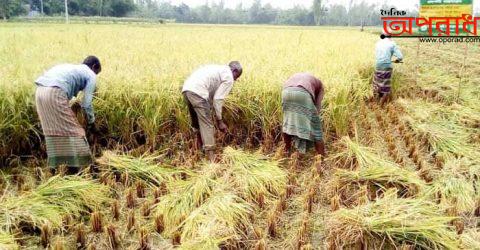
{"x":208,"y":87}
{"x":301,"y":103}
{"x":64,"y":136}
{"x":385,"y":49}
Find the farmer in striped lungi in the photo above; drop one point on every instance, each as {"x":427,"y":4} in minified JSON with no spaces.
{"x":208,"y":87}
{"x":302,"y":123}
{"x":385,"y":49}
{"x":64,"y":136}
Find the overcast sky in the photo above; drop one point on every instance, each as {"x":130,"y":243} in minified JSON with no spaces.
{"x":402,"y":4}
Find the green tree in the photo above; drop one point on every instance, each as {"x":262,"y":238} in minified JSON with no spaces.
{"x":337,"y":15}
{"x":317,"y":11}
{"x":296,"y":16}
{"x":9,"y":8}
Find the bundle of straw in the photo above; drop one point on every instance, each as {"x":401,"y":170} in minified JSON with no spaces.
{"x":219,"y":219}
{"x":384,"y":176}
{"x":353,"y":155}
{"x":253,"y":175}
{"x":142,"y":168}
{"x":471,"y":239}
{"x":50,"y":201}
{"x":7,"y":241}
{"x":390,"y":219}
{"x":454,"y":189}
{"x":184,"y":197}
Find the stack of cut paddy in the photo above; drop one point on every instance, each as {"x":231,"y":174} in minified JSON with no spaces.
{"x":394,"y":221}
{"x":253,"y":175}
{"x":7,"y":241}
{"x":210,"y":207}
{"x":448,"y":129}
{"x":50,"y":202}
{"x":471,"y":239}
{"x":455,"y":187}
{"x":371,"y":168}
{"x":143,"y":168}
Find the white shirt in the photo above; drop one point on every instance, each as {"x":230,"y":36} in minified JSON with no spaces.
{"x":213,"y":83}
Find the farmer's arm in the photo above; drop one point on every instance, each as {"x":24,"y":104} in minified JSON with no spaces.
{"x":88,"y":99}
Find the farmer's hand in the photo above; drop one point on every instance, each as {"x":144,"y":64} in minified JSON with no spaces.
{"x":92,"y":128}
{"x":76,"y":107}
{"x":222,"y":126}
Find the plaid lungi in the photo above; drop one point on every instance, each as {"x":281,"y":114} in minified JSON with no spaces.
{"x":65,"y":138}
{"x":382,"y":81}
{"x":300,"y":118}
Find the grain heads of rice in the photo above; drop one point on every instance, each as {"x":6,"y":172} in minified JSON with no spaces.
{"x":394,"y":220}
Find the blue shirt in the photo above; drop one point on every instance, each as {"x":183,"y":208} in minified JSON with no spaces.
{"x":72,"y":78}
{"x":384,"y":50}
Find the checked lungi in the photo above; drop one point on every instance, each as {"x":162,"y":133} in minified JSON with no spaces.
{"x":300,"y":118}
{"x":382,"y":81}
{"x":64,"y":137}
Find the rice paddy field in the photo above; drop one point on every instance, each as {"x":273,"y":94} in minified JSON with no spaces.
{"x":399,"y":176}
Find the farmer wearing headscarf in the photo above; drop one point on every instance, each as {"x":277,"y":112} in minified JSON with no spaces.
{"x":385,"y":49}
{"x":64,"y":136}
{"x":208,"y":87}
{"x":301,"y":103}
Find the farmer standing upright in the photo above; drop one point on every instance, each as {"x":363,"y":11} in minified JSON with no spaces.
{"x":301,"y":103}
{"x":385,"y":49}
{"x":208,"y":87}
{"x":64,"y":136}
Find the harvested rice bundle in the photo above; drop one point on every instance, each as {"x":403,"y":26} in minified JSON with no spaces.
{"x":50,"y":201}
{"x":7,"y":241}
{"x":455,"y":191}
{"x":253,"y":175}
{"x":397,"y":221}
{"x":471,"y":239}
{"x":185,"y":196}
{"x":424,"y":111}
{"x":202,"y":244}
{"x":80,"y":193}
{"x":447,"y":138}
{"x":143,"y":168}
{"x":353,"y":155}
{"x":219,"y":219}
{"x":383,"y":176}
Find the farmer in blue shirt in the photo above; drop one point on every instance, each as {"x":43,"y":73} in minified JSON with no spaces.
{"x":385,"y":49}
{"x":64,"y":136}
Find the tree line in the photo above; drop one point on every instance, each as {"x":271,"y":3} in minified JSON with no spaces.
{"x":355,"y":13}
{"x":116,"y":8}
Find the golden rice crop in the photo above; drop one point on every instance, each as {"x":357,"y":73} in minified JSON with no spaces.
{"x":145,"y":66}
{"x":50,"y":201}
{"x":142,"y":168}
{"x":393,"y":220}
{"x":7,"y":241}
